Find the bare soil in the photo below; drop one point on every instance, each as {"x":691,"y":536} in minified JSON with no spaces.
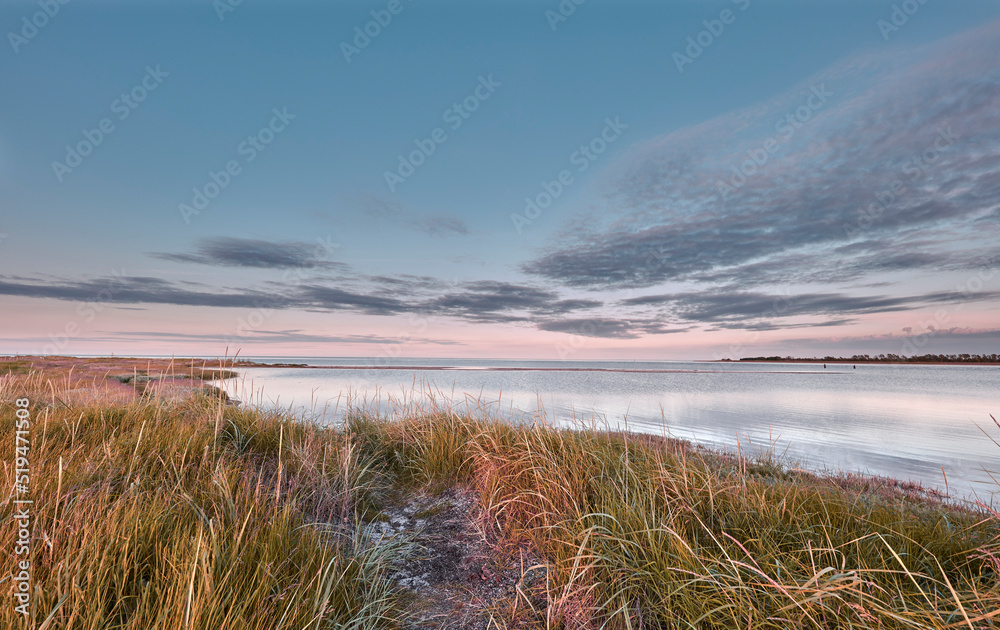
{"x":454,"y":577}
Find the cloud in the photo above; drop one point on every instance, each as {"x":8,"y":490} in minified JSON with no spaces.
{"x":756,"y":310}
{"x":607,"y":328}
{"x":503,"y":301}
{"x":328,"y":298}
{"x":138,"y":290}
{"x":482,"y":301}
{"x":273,"y":336}
{"x":941,"y":341}
{"x":852,"y":262}
{"x":762,"y":326}
{"x":238,"y":252}
{"x":438,"y":224}
{"x":488,"y":301}
{"x":905,"y":142}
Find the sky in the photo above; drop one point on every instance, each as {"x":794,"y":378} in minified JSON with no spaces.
{"x":574,"y":180}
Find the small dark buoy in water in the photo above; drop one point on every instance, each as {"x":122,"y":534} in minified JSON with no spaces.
{"x":824,"y":366}
{"x":855,"y":367}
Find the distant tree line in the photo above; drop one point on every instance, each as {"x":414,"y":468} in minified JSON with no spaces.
{"x":893,"y":358}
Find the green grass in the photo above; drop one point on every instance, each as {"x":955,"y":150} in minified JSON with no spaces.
{"x":140,"y":376}
{"x":160,"y":515}
{"x":13,"y":367}
{"x":434,"y":510}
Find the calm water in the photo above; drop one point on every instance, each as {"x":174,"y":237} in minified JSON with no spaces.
{"x":904,"y":421}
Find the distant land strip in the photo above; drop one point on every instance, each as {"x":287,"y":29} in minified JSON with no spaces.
{"x":932,"y":359}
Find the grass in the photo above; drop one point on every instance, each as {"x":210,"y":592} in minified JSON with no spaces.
{"x":433,"y":511}
{"x":197,"y":514}
{"x":140,"y":376}
{"x":12,"y":367}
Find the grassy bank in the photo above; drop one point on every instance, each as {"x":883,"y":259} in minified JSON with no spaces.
{"x":173,"y":514}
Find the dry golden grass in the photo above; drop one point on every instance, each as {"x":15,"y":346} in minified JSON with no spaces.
{"x":638,"y":531}
{"x":153,"y":514}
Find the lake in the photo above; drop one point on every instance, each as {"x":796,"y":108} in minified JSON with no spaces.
{"x":911,"y":422}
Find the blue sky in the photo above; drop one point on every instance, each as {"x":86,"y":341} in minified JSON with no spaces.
{"x":657,"y":249}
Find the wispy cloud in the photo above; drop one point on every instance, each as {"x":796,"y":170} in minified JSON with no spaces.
{"x":433,"y":224}
{"x":917,"y":130}
{"x":853,"y":262}
{"x":240,"y":252}
{"x":489,"y":301}
{"x":483,"y":301}
{"x":607,"y":328}
{"x":329,"y":298}
{"x":273,"y":336}
{"x":940,"y":341}
{"x":135,"y":290}
{"x":760,"y":311}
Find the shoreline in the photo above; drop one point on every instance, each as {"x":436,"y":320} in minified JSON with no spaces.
{"x":941,"y":363}
{"x":180,"y":366}
{"x":217,"y":363}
